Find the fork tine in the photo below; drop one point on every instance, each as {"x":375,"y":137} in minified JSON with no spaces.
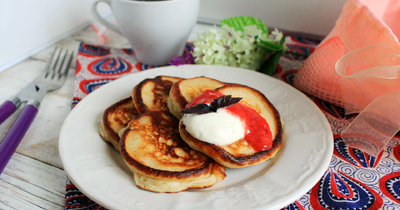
{"x":65,"y":67}
{"x":60,"y":62}
{"x":47,"y":67}
{"x":52,"y":64}
{"x":56,"y":64}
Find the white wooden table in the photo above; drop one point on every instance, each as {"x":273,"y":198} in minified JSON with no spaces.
{"x":34,"y":178}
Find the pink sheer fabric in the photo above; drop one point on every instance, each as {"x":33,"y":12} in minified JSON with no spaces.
{"x":357,"y":67}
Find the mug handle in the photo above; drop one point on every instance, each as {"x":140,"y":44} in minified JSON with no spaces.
{"x":97,"y":16}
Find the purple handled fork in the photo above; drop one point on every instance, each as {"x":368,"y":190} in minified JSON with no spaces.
{"x":52,"y":78}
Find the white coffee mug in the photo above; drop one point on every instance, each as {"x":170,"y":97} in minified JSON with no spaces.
{"x":156,"y":30}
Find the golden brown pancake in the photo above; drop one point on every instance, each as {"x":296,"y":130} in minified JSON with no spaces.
{"x":186,"y":90}
{"x":161,"y":162}
{"x":152,"y":94}
{"x":240,"y":153}
{"x":116,"y":117}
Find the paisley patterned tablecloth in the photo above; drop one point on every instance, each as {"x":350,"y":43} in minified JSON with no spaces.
{"x":353,"y":180}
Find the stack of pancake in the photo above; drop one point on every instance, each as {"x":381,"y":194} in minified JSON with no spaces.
{"x":148,"y":131}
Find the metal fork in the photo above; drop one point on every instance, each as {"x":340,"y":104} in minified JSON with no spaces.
{"x":53,"y":77}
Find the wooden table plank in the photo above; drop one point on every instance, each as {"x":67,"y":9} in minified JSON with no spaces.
{"x":13,"y":197}
{"x":32,"y":182}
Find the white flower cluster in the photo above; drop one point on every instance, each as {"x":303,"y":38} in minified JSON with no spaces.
{"x":233,"y":48}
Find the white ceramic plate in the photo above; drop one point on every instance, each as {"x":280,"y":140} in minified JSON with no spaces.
{"x":97,"y":169}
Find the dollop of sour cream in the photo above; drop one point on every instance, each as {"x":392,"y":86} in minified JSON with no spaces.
{"x":220,"y":128}
{"x":228,"y":124}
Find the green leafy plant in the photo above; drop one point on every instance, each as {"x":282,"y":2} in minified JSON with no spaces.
{"x":238,"y":23}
